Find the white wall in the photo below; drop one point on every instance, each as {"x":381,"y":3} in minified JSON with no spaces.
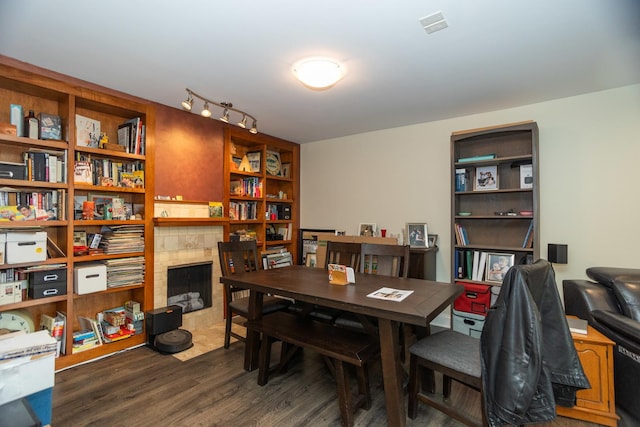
{"x":589,"y":154}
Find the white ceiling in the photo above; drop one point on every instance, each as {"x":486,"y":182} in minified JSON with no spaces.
{"x":494,"y":54}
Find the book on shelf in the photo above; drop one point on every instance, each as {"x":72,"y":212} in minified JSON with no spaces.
{"x":528,"y":238}
{"x":133,"y":179}
{"x":461,"y":180}
{"x":55,"y":327}
{"x":277,"y":260}
{"x":82,"y":172}
{"x":216,"y":210}
{"x":476,"y":158}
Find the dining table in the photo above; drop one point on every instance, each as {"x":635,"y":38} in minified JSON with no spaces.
{"x":427,"y":299}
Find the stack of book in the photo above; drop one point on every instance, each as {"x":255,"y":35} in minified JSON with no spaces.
{"x":120,"y":239}
{"x":125,"y":271}
{"x":276,"y":259}
{"x":88,"y":337}
{"x":20,"y":344}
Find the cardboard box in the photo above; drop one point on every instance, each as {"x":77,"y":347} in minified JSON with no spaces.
{"x":23,"y":376}
{"x":10,"y":292}
{"x":25,"y":246}
{"x":89,"y":278}
{"x":468,"y":323}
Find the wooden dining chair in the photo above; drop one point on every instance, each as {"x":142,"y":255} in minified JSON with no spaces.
{"x":344,"y":253}
{"x":238,"y":257}
{"x":386,"y":260}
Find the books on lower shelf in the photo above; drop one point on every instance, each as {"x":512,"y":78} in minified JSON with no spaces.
{"x":470,"y":265}
{"x":462,"y":238}
{"x":276,"y":258}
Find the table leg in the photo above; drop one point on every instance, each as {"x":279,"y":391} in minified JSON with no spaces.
{"x":252,"y":344}
{"x":392,"y":372}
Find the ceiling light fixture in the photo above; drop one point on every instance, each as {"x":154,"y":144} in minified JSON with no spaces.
{"x":318,"y":73}
{"x":227,"y":106}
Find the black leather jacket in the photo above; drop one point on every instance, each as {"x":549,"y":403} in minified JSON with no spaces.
{"x":529,"y":361}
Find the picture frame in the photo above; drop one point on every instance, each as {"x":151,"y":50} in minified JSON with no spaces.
{"x":417,"y":235}
{"x":311,"y":260}
{"x":367,"y":229}
{"x":432,"y":240}
{"x":497,"y":266}
{"x":254,"y":158}
{"x":486,"y":178}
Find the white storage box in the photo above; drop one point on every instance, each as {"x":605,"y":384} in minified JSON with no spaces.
{"x":468,"y":323}
{"x":23,"y":376}
{"x":89,"y":278}
{"x":11,"y":292}
{"x":3,"y":246}
{"x":25,"y":246}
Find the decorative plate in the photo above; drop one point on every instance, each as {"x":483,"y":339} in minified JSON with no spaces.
{"x":273,"y":164}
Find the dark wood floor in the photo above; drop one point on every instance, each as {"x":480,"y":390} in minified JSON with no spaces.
{"x":143,"y":388}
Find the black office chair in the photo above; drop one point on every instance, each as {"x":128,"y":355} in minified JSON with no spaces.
{"x":528,"y":306}
{"x":236,"y":257}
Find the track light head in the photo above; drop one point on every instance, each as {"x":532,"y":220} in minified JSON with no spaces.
{"x":243,"y":123}
{"x":254,"y":127}
{"x":205,"y":111}
{"x":188,"y":103}
{"x":225,"y":116}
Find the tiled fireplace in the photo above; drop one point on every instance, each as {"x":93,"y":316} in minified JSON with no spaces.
{"x":182,"y":245}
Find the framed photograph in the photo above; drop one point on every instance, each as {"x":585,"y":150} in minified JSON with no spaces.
{"x":417,"y":235}
{"x":367,"y":229}
{"x":286,"y":170}
{"x":486,"y":178}
{"x":497,"y":266}
{"x":311,"y":260}
{"x":432,"y":240}
{"x":254,"y":160}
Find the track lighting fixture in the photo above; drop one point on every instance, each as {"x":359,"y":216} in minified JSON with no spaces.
{"x":227,"y":110}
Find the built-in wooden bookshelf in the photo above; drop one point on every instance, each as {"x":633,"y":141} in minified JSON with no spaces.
{"x":63,"y":96}
{"x":495,"y":197}
{"x":265,"y":197}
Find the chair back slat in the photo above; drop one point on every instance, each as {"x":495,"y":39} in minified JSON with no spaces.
{"x":386,"y":260}
{"x":238,"y":256}
{"x":344,"y":253}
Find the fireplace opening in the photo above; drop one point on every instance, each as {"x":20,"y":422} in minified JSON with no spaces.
{"x":189,"y":286}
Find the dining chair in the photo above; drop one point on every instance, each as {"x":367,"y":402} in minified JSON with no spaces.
{"x":527,"y":307}
{"x":238,"y":257}
{"x":386,"y":260}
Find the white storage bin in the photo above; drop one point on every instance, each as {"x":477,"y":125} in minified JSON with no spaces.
{"x":468,"y":323}
{"x":25,"y":246}
{"x":89,"y":278}
{"x":23,"y":376}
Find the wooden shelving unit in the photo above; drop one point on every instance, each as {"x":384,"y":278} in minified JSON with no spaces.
{"x":25,"y":85}
{"x":275,"y":190}
{"x":497,"y":218}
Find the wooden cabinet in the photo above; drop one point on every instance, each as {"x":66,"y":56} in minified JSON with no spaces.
{"x":422,"y":263}
{"x":66,"y":97}
{"x":495,"y":194}
{"x":262,"y":200}
{"x":597,"y":404}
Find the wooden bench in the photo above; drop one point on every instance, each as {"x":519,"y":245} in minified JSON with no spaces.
{"x":337,"y":345}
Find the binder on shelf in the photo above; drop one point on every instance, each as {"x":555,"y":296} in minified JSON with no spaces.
{"x":476,"y":158}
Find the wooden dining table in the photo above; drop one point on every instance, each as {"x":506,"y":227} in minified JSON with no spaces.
{"x":311,"y":285}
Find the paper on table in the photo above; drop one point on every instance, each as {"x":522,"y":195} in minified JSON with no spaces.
{"x":390,"y":294}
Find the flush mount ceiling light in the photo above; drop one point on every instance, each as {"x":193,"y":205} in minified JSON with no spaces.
{"x":318,"y":73}
{"x":227,"y":110}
